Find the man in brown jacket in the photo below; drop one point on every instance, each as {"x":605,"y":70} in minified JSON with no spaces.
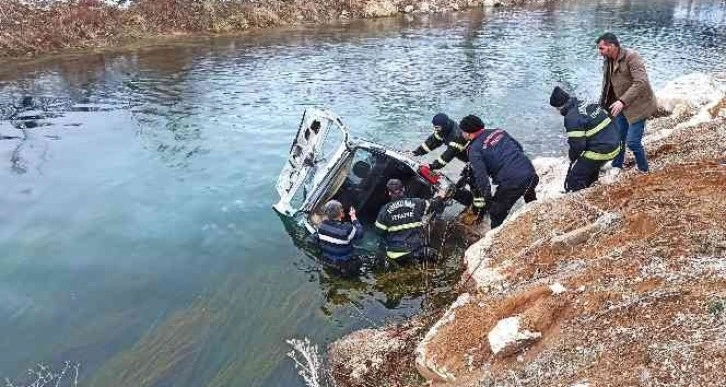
{"x":627,"y":92}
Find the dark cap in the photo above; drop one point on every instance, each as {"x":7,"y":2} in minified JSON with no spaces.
{"x":471,"y":124}
{"x":441,"y":120}
{"x":559,"y":97}
{"x":394,"y":185}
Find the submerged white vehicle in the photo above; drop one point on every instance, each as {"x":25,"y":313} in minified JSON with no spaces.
{"x":326,"y":163}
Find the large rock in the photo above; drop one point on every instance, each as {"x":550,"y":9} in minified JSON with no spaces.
{"x":365,"y":357}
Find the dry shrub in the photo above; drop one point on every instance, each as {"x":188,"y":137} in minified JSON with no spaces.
{"x":49,"y":26}
{"x":46,"y":26}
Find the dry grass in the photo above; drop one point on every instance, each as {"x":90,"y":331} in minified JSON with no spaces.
{"x":645,"y":304}
{"x":51,"y":26}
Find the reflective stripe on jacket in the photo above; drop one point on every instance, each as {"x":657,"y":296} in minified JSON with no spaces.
{"x":401,"y":222}
{"x":336,"y":239}
{"x":455,"y":144}
{"x":591,"y":132}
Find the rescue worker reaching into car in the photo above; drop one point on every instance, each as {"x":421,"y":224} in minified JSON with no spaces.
{"x":401,"y":222}
{"x":592,"y":135}
{"x":494,"y":153}
{"x":335,"y":238}
{"x":446,"y":132}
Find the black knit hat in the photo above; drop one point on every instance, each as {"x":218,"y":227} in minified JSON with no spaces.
{"x":471,"y":124}
{"x":440,"y":119}
{"x":559,"y":97}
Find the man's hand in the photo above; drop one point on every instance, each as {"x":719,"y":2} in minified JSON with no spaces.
{"x":616,"y":108}
{"x":351,"y":212}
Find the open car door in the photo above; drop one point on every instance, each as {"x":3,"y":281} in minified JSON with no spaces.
{"x":320,"y":137}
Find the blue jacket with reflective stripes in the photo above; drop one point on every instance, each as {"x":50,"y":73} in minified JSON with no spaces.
{"x":401,"y":221}
{"x":336,"y":238}
{"x":590,"y":129}
{"x":496,"y":154}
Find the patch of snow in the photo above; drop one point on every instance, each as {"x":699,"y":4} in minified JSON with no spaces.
{"x":507,"y":332}
{"x":690,"y":96}
{"x":557,"y":288}
{"x":552,"y":172}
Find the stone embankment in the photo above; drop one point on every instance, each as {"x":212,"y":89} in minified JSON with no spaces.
{"x":620,"y":284}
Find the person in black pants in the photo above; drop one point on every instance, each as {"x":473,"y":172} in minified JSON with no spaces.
{"x":494,"y":154}
{"x":592,"y":135}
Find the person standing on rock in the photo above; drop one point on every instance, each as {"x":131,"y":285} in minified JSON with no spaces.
{"x":593,"y":137}
{"x":627,"y":94}
{"x":494,"y":153}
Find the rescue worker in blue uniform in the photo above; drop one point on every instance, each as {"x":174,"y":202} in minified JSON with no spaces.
{"x":494,"y":153}
{"x":401,"y":222}
{"x":592,"y":135}
{"x":335,"y":238}
{"x":446,"y":132}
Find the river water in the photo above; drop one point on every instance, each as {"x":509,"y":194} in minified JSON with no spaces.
{"x":136,"y":233}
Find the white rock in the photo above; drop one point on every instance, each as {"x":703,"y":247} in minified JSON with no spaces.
{"x":507,"y":333}
{"x":408,"y":9}
{"x":557,"y":288}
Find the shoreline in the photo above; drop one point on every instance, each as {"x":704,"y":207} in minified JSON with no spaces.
{"x":92,"y":26}
{"x":541,"y":282}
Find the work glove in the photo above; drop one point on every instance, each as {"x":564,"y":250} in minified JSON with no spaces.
{"x":435,"y":165}
{"x":480,"y":207}
{"x":419,"y":151}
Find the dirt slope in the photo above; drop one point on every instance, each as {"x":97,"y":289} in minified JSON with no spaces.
{"x":621,"y":284}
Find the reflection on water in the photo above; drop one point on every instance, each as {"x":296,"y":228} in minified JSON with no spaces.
{"x":136,"y":235}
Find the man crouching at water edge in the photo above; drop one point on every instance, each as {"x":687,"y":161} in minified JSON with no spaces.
{"x":401,"y":223}
{"x":336,"y":237}
{"x":593,"y":137}
{"x":494,"y":153}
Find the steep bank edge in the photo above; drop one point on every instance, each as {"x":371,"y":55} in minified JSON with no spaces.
{"x":458,"y":350}
{"x":649,"y":246}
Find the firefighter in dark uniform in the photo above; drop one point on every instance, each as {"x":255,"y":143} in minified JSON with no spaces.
{"x":593,"y":137}
{"x":494,"y":153}
{"x":401,"y":221}
{"x":336,"y":238}
{"x":446,"y":132}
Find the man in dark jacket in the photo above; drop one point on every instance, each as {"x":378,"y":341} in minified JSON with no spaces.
{"x":401,"y":221}
{"x":336,"y":238}
{"x":593,"y":137}
{"x":627,"y":94}
{"x":445,"y":132}
{"x":494,"y":153}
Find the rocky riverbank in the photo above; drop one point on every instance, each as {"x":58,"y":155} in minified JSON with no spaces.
{"x":72,"y":24}
{"x":620,"y":284}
